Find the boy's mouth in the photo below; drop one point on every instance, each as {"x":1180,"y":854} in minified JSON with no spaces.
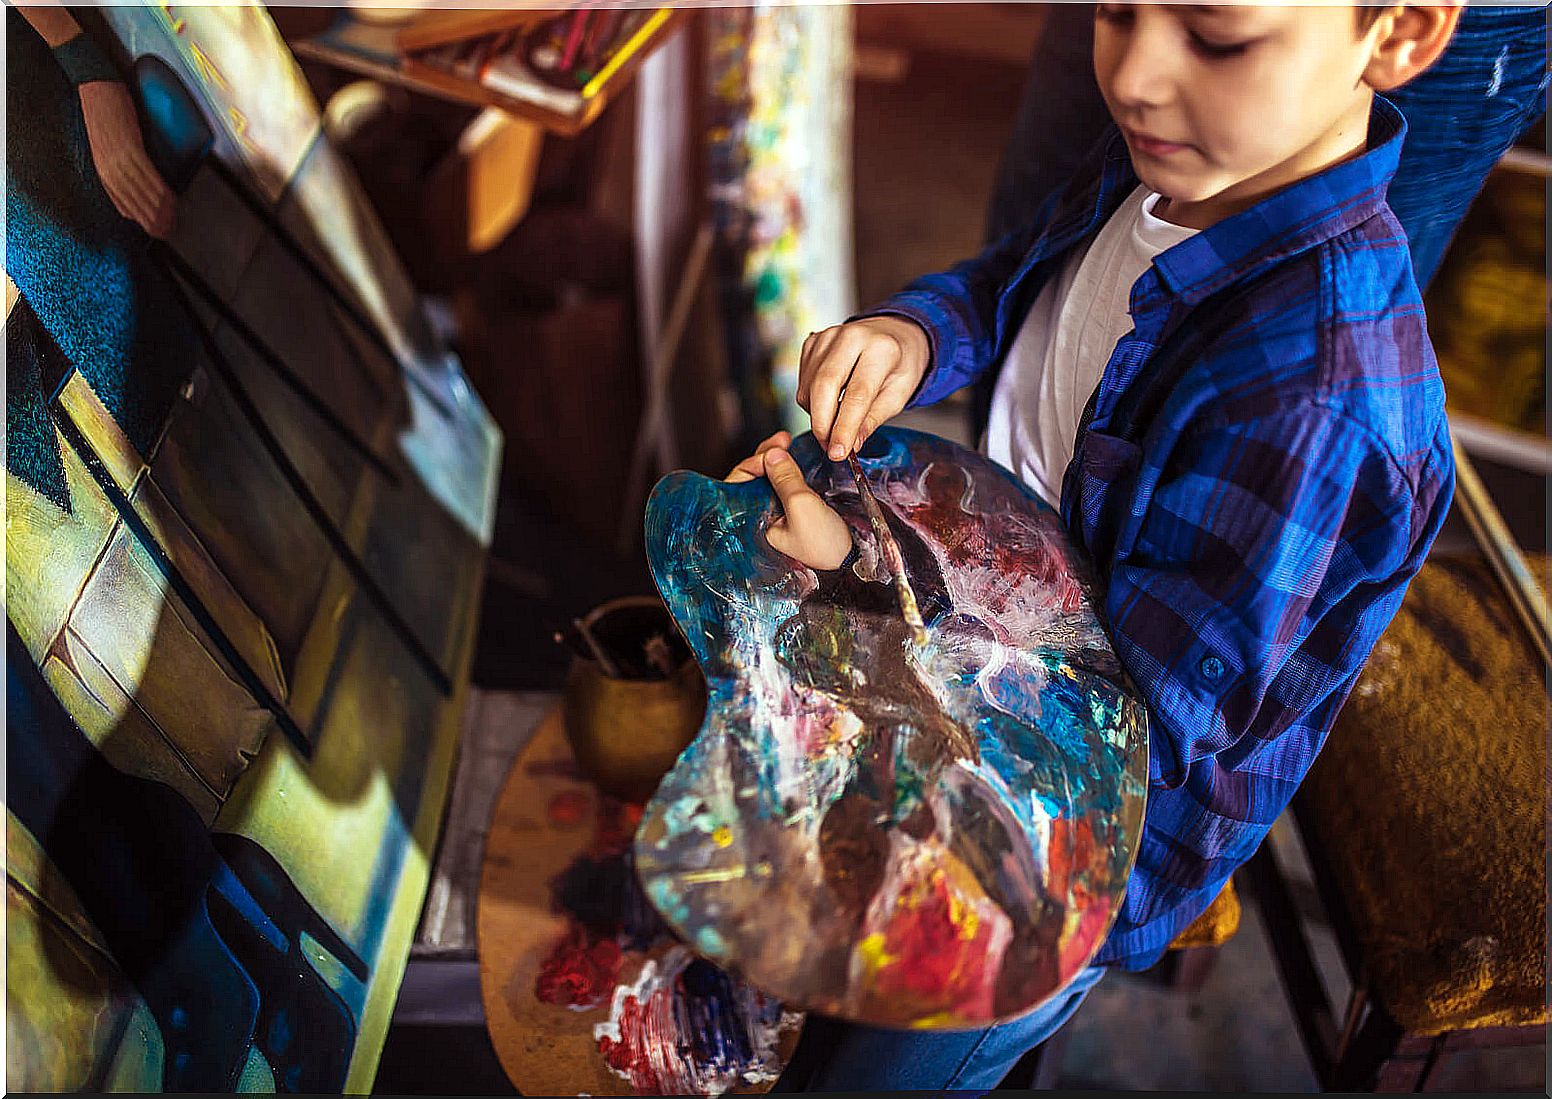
{"x":1152,"y":146}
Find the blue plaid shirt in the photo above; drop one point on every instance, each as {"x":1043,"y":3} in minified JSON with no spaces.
{"x":1262,"y":469}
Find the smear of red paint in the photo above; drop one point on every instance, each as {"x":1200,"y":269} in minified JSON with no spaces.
{"x":954,"y":966}
{"x":617,"y":821}
{"x":1070,"y":855}
{"x":942,"y":515}
{"x":569,"y":807}
{"x":581,"y":970}
{"x":632,"y":1054}
{"x":971,"y":542}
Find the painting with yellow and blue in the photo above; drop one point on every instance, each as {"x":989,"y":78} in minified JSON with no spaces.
{"x":903,"y":834}
{"x":233,"y":459}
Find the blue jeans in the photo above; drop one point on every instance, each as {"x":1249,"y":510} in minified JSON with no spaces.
{"x":966,"y":1061}
{"x":1462,"y":115}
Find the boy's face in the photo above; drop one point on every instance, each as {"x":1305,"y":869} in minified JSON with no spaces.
{"x":1223,"y":104}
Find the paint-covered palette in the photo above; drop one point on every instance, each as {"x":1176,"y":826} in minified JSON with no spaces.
{"x":927,"y":837}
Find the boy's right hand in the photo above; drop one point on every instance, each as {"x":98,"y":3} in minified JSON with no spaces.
{"x":878,"y":361}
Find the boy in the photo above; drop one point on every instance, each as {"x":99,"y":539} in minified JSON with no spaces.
{"x":1263,"y":462}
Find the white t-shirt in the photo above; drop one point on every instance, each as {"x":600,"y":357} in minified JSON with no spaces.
{"x":1067,"y":338}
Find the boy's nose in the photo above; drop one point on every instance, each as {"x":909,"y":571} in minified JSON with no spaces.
{"x":1142,"y":76}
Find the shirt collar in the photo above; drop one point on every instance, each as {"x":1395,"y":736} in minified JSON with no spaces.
{"x":1297,"y":218}
{"x":1100,"y":184}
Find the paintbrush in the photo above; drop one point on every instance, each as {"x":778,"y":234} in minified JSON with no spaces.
{"x":890,"y":549}
{"x":659,"y":655}
{"x":608,"y":666}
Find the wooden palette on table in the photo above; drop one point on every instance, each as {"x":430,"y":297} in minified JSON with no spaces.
{"x":933,"y":837}
{"x":577,"y":972}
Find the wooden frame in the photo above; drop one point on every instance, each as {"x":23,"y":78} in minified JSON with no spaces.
{"x":1186,"y":969}
{"x":369,"y":50}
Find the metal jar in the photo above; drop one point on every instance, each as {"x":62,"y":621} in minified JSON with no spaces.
{"x":627,"y":733}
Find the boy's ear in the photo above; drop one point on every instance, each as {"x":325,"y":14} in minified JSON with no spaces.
{"x":1407,"y":39}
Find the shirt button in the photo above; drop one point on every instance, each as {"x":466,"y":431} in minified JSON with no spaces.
{"x":1211,"y":667}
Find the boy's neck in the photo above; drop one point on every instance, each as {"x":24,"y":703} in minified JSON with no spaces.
{"x":1346,"y":139}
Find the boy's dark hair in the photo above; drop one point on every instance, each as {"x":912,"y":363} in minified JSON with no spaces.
{"x":1368,"y":13}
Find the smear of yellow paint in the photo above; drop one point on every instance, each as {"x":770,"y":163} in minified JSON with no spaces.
{"x":873,"y":954}
{"x":961,"y":914}
{"x":971,"y":923}
{"x":1069,"y":926}
{"x":722,"y":835}
{"x":936,"y":1020}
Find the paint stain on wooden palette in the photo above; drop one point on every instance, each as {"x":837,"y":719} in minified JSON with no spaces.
{"x":931,"y":836}
{"x":677,"y":1025}
{"x":585,"y":988}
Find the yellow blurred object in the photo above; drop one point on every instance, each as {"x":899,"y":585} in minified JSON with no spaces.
{"x":1487,"y":307}
{"x":482,"y":189}
{"x":1217,"y":923}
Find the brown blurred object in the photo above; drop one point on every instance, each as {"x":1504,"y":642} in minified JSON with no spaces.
{"x":996,"y":32}
{"x":563,"y":386}
{"x":424,"y":29}
{"x":627,"y":733}
{"x":548,"y":335}
{"x":1487,"y":307}
{"x":1436,"y":891}
{"x":551,"y":264}
{"x":880,"y":63}
{"x":395,"y":141}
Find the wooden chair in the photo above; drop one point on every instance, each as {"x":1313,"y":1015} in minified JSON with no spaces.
{"x":1424,"y":819}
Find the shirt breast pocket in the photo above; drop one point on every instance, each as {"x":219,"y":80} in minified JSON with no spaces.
{"x":1106,"y":475}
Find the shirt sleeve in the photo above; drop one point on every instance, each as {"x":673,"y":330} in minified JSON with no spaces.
{"x":1271,"y":557}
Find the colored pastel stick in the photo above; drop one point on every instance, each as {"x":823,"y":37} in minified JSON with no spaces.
{"x":625,"y":52}
{"x":568,"y":55}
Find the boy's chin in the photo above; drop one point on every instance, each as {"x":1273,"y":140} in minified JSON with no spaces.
{"x":1178,"y":187}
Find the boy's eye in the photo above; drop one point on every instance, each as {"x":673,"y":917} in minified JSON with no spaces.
{"x":1217,"y":49}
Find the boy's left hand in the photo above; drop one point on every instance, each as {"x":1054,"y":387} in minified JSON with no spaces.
{"x":809,"y":530}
